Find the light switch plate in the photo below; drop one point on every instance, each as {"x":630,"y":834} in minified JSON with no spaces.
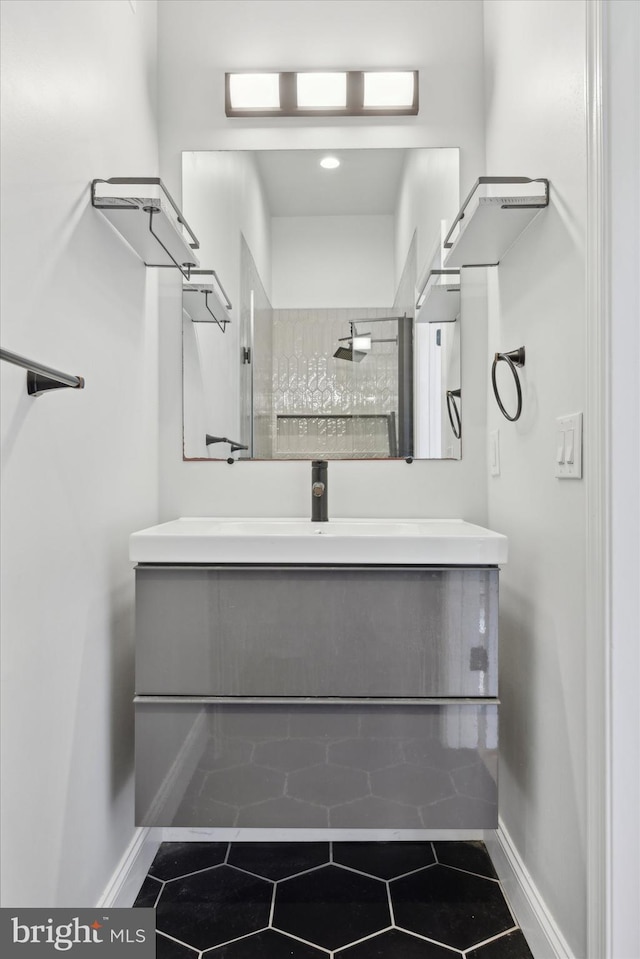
{"x":494,"y":452}
{"x":568,"y":446}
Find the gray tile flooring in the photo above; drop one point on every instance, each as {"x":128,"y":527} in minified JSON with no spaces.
{"x":329,"y":900}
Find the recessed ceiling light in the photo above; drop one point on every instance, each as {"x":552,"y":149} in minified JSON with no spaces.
{"x":329,"y":163}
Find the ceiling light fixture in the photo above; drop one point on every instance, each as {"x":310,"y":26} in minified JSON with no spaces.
{"x":335,"y":93}
{"x":329,"y":163}
{"x":321,"y":90}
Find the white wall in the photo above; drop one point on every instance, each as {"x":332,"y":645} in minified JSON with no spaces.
{"x":222,"y":200}
{"x":198,"y":42}
{"x":79,"y":469}
{"x":536,"y":126}
{"x":332,"y":261}
{"x":429,"y":194}
{"x":622,"y":105}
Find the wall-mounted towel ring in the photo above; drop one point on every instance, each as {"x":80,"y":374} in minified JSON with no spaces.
{"x":454,"y":417}
{"x":513,"y":359}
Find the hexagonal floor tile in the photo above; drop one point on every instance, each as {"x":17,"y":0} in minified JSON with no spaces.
{"x":374,"y":813}
{"x":470,"y":856}
{"x":449,"y":906}
{"x":386,"y":860}
{"x":149,"y":892}
{"x":327,"y":784}
{"x":331,"y":907}
{"x":168,"y":949}
{"x":267,"y":945}
{"x":395,"y":945}
{"x":278,"y":860}
{"x":180,"y":858}
{"x":366,"y":754}
{"x":411,"y":784}
{"x":214,"y":906}
{"x":511,"y":946}
{"x":244,"y":784}
{"x":290,"y":754}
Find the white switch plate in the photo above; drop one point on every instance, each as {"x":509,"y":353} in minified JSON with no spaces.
{"x":494,"y":452}
{"x":568,"y":446}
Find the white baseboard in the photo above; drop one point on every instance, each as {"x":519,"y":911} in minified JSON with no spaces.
{"x":538,"y":925}
{"x":130,"y":872}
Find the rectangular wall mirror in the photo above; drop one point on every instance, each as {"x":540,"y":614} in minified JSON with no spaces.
{"x":325,"y":355}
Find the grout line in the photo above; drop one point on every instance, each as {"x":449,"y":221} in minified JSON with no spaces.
{"x":358,"y":872}
{"x":434,"y":942}
{"x":179,"y":941}
{"x":162,"y":885}
{"x":391,"y":913}
{"x":196,"y":872}
{"x":356,"y":942}
{"x":247,"y":872}
{"x":468,"y":872}
{"x":412,"y":872}
{"x":228,"y":942}
{"x":273,"y":904}
{"x":306,"y":942}
{"x":486,"y":942}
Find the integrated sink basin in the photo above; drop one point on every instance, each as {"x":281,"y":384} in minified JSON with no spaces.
{"x":202,"y":539}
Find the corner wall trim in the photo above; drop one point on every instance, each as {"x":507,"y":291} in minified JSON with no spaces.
{"x":538,"y":925}
{"x":129,"y":874}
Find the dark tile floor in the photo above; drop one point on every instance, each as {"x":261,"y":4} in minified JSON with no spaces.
{"x":329,"y":900}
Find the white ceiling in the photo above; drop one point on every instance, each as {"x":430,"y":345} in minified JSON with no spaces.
{"x":366,"y":182}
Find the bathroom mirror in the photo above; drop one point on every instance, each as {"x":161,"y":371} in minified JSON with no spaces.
{"x":325,"y":355}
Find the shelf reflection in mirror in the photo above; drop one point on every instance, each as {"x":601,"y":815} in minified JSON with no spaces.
{"x":323,"y":356}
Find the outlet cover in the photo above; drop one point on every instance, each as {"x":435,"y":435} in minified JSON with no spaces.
{"x":568,"y":446}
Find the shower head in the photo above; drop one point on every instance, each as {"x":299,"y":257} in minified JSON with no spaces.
{"x":348,"y":353}
{"x":358,"y":346}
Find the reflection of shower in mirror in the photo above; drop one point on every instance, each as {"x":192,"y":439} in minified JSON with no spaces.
{"x":359,"y":344}
{"x":325,"y":357}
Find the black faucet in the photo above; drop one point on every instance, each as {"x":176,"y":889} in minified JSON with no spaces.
{"x":319,"y":491}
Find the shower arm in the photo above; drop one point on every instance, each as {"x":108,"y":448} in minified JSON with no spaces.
{"x":345,"y":339}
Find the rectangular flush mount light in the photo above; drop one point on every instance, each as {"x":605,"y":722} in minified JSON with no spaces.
{"x":322,"y":93}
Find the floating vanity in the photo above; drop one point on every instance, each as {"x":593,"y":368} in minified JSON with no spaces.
{"x":330,"y":675}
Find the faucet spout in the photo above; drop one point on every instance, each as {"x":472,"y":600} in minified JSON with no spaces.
{"x":319,"y":491}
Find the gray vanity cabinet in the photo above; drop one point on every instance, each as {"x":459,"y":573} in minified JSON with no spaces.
{"x":316,"y":696}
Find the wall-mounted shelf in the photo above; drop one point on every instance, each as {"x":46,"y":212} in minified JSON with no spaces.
{"x":202,"y":300}
{"x":148,"y":219}
{"x":491,"y":219}
{"x":439,"y":299}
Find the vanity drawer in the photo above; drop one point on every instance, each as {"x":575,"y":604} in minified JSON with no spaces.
{"x":320,"y":765}
{"x":316,"y":631}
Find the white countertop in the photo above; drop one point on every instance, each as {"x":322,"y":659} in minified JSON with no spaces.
{"x":206,"y":539}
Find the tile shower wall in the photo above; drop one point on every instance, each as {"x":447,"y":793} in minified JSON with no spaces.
{"x":323,"y":406}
